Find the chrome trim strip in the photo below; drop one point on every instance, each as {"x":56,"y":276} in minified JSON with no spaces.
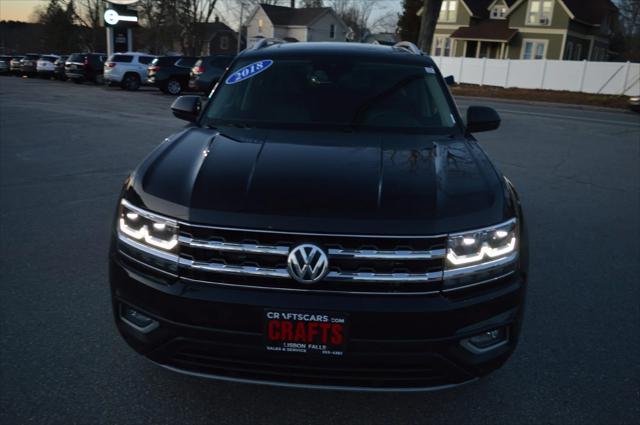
{"x":471,"y":285}
{"x":464,"y":271}
{"x":148,"y":214}
{"x":147,"y":249}
{"x":239,"y":270}
{"x":284,"y":274}
{"x":142,"y":263}
{"x":235,"y":247}
{"x":309,"y":291}
{"x":384,"y":277}
{"x":283,"y":232}
{"x":364,"y":254}
{"x":313,"y":386}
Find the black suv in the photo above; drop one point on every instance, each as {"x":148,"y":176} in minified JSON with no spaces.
{"x":59,"y":68}
{"x":81,"y":67}
{"x":207,"y":71}
{"x":170,"y":73}
{"x":327,"y":221}
{"x":28,"y":64}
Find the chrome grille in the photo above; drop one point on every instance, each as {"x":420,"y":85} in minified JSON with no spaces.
{"x":357,"y":263}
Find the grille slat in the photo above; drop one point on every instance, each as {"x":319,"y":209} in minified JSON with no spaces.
{"x":358,"y":263}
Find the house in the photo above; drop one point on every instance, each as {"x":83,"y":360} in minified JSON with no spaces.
{"x":219,"y":39}
{"x":295,"y":24}
{"x":525,"y":29}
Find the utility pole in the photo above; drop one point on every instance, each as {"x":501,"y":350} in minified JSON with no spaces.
{"x":240,"y":26}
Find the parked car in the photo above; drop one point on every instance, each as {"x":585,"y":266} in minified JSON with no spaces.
{"x":45,"y":65}
{"x":15,"y":65}
{"x":327,"y":220}
{"x":634,"y":103}
{"x":58,"y":70}
{"x":129,"y":70}
{"x":29,"y":64}
{"x":170,"y":73}
{"x":81,"y":67}
{"x":207,"y":71}
{"x":4,"y":64}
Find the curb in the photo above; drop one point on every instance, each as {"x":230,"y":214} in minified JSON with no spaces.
{"x":540,"y":103}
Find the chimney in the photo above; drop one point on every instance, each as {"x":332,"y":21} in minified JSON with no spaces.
{"x":293,"y":4}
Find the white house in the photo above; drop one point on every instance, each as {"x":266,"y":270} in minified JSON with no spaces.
{"x":303,"y":24}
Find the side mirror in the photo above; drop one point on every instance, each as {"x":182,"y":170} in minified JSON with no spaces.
{"x":482,"y":118}
{"x":450,"y":80}
{"x":187,"y":108}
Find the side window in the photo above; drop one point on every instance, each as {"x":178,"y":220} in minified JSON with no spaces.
{"x":145,"y":60}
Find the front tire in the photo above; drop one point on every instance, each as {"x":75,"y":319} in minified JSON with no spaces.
{"x":173,"y":87}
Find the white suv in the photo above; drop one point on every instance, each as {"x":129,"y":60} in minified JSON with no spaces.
{"x":128,"y":69}
{"x":45,"y":66}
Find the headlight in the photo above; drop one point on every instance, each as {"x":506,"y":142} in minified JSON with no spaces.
{"x":147,"y":228}
{"x":483,"y":248}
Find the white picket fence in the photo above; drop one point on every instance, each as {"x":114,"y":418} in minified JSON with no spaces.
{"x":578,"y":76}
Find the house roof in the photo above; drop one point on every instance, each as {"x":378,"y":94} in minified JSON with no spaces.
{"x":591,"y":11}
{"x":488,"y":29}
{"x":280,"y":15}
{"x":479,"y":8}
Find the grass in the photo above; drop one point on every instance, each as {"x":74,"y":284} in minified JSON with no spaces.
{"x":604,"y":100}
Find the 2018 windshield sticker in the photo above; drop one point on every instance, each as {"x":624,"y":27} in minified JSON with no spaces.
{"x":429,"y":70}
{"x":249,"y":71}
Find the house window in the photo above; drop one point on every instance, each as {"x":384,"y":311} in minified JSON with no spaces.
{"x":442,"y":46}
{"x":578,"y":56}
{"x":499,"y":12}
{"x":332,"y":31}
{"x":260,"y":25}
{"x":569,"y":52}
{"x":534,"y":49}
{"x":224,"y":42}
{"x":540,"y":12}
{"x":448,"y":11}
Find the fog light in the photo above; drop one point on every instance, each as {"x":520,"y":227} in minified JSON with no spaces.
{"x":486,"y":341}
{"x":137,"y":320}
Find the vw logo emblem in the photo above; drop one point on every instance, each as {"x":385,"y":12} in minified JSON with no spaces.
{"x":307,"y":263}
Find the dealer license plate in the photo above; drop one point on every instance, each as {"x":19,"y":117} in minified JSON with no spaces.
{"x":320,"y":333}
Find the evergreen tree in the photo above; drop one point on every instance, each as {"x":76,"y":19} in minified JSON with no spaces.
{"x":409,"y":22}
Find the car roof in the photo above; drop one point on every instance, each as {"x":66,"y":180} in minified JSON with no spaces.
{"x":360,"y":50}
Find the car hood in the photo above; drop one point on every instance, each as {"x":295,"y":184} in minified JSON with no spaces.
{"x":333,"y":182}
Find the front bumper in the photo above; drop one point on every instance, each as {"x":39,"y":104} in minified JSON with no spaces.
{"x":396,"y":342}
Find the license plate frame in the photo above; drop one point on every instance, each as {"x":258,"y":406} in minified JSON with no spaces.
{"x":306,"y":333}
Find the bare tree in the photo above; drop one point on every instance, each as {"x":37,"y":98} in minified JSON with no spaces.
{"x":430,"y":12}
{"x":356,"y":14}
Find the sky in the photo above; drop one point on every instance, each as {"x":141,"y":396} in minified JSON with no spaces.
{"x":21,"y":10}
{"x":18,"y":10}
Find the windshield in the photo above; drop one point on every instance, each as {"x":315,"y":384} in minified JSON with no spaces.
{"x":332,"y":92}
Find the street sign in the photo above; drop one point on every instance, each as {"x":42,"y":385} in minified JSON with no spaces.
{"x":113,"y":17}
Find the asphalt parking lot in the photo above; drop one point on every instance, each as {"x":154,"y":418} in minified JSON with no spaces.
{"x":64,"y":152}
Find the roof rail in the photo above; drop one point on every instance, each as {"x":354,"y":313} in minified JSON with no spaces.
{"x":409,"y":47}
{"x":266,"y":42}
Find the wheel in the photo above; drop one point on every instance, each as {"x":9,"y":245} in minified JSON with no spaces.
{"x":78,"y":80}
{"x":131,"y":82}
{"x":173,"y":87}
